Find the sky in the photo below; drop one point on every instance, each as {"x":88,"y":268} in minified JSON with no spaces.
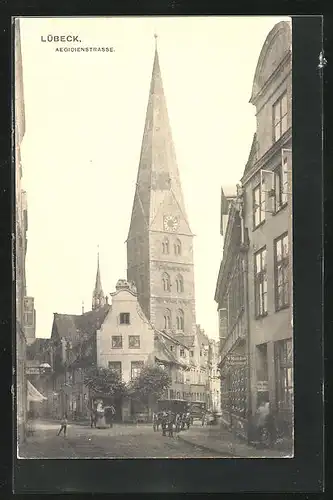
{"x":85,"y":114}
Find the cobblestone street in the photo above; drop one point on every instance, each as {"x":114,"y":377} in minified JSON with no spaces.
{"x":122,"y":441}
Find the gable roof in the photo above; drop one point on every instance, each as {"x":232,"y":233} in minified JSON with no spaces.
{"x":186,"y":340}
{"x":70,"y":326}
{"x":162,"y":352}
{"x":253,"y":156}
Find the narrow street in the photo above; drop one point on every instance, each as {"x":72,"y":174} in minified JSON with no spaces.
{"x":122,"y":441}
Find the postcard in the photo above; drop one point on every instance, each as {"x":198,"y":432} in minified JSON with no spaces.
{"x":153,"y":160}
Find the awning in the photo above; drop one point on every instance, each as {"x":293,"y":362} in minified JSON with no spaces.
{"x":34,"y":395}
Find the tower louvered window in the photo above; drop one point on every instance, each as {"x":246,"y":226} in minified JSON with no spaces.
{"x":165,"y":246}
{"x":178,"y":247}
{"x":167,"y":320}
{"x":179,"y":284}
{"x":180,"y":320}
{"x":166,"y":282}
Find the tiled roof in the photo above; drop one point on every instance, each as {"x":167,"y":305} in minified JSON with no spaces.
{"x":162,"y":352}
{"x":69,"y":326}
{"x":37,"y":347}
{"x":186,"y":340}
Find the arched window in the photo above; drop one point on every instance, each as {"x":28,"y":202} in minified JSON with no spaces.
{"x":167,"y":320}
{"x":166,"y":282}
{"x":180,"y":320}
{"x":179,"y":283}
{"x":165,"y":246}
{"x":178,"y":247}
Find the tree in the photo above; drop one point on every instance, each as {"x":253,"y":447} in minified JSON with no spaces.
{"x":105,"y":381}
{"x":150,"y":383}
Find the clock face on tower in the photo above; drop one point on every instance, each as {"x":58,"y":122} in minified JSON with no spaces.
{"x":170,"y":223}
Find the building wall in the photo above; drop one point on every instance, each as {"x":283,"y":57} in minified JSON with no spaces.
{"x":124,"y":302}
{"x":275,"y":325}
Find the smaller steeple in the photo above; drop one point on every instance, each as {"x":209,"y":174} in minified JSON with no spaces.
{"x":98,"y":299}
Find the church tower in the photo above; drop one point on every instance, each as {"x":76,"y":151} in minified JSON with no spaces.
{"x":160,"y":241}
{"x":98,"y":299}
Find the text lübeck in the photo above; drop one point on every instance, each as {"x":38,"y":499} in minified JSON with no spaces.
{"x":60,"y":38}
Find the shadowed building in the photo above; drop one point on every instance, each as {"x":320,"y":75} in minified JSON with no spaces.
{"x":254,"y":289}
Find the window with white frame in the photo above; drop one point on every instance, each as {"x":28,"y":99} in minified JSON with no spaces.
{"x":281,"y":259}
{"x":280,"y":117}
{"x":281,"y":187}
{"x":258,"y":205}
{"x":260,"y":282}
{"x":116,"y":342}
{"x":134,"y":341}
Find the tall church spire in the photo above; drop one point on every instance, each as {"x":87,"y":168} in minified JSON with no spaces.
{"x":98,"y":295}
{"x":160,"y":242}
{"x":158,"y":175}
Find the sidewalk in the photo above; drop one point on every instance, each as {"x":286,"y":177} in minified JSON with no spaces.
{"x":219,"y":439}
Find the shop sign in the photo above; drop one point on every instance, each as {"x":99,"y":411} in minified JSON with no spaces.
{"x":236,"y":359}
{"x":32,"y":370}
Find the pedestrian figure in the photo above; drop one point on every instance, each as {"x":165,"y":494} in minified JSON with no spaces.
{"x":262,"y":414}
{"x":63,"y":426}
{"x":113,"y":413}
{"x":92,"y":419}
{"x":159,"y":420}
{"x":271,"y":427}
{"x":164,"y":423}
{"x":188,"y":419}
{"x":203,"y":420}
{"x":171,"y":425}
{"x":155,"y":421}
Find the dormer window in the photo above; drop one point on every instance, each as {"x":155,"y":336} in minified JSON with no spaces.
{"x":182,"y":353}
